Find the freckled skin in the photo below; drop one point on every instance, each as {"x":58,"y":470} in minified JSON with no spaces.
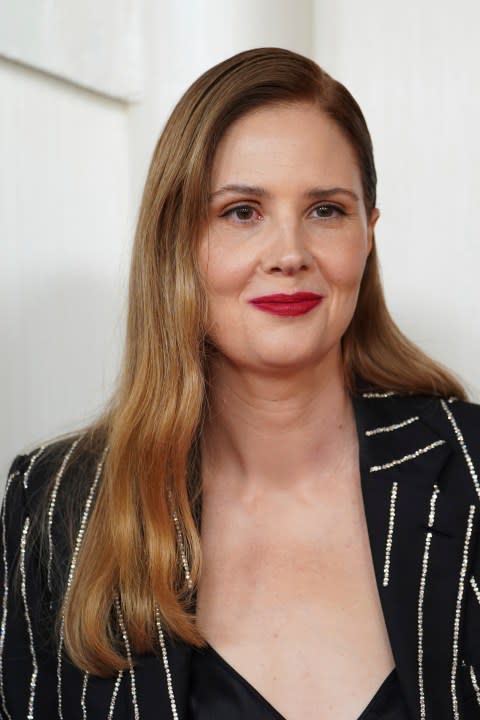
{"x":283,"y":240}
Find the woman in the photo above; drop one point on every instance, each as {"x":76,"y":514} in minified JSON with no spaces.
{"x":277,"y":515}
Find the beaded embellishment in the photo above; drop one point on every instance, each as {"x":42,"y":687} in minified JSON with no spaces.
{"x":421,"y":597}
{"x":391,"y":521}
{"x":405,"y":458}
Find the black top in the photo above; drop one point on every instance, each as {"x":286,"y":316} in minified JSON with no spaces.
{"x":218,"y":691}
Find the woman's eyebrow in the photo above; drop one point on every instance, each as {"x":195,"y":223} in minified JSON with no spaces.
{"x":240,"y":190}
{"x":316,"y":192}
{"x":319,"y":192}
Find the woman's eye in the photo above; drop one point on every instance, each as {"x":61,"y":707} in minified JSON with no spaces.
{"x":240,"y":213}
{"x":327,"y":211}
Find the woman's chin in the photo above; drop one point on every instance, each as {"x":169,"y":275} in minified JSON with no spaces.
{"x":287,"y":363}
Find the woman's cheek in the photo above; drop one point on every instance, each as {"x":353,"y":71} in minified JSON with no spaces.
{"x":347,"y":270}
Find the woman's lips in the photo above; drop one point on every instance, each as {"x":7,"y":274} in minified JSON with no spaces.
{"x":297,"y":303}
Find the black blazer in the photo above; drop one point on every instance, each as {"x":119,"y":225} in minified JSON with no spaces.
{"x":420,"y":475}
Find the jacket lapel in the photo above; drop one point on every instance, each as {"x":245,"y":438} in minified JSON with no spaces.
{"x":418,"y":523}
{"x":421,"y":529}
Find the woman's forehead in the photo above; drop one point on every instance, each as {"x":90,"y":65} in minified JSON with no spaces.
{"x":296,"y":144}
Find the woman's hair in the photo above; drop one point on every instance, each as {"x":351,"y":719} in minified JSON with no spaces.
{"x":131,"y":545}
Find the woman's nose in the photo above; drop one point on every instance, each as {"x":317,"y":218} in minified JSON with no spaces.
{"x":287,"y":252}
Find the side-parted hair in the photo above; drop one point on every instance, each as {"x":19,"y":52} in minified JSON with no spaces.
{"x":153,"y":424}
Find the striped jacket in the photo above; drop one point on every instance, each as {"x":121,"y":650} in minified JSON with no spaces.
{"x":420,"y":477}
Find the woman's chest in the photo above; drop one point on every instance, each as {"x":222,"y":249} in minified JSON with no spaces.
{"x":295,"y":610}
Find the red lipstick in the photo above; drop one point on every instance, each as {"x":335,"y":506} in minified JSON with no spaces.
{"x":285,"y":305}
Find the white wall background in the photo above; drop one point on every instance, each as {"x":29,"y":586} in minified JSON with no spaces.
{"x":73,"y":161}
{"x":93,"y":44}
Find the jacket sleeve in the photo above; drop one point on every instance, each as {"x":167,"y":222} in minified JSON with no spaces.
{"x":27,"y":663}
{"x":466,"y":425}
{"x":471,"y":657}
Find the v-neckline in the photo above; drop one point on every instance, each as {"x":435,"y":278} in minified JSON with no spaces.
{"x":276,"y":715}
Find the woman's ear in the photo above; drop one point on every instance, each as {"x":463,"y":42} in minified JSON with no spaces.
{"x":374,"y":215}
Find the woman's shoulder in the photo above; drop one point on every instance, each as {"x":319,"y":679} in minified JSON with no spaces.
{"x":68,"y":461}
{"x":45,"y":497}
{"x":464,"y":420}
{"x":460,"y":415}
{"x":456,"y":421}
{"x":467,"y":411}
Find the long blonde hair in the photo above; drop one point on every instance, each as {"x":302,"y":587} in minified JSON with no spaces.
{"x":154,"y":421}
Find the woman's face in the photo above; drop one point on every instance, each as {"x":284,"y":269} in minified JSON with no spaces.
{"x":286,"y":216}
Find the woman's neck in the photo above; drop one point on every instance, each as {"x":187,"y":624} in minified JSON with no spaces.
{"x":277,"y":431}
